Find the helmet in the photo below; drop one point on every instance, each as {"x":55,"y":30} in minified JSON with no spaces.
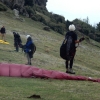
{"x":72,"y":27}
{"x":27,"y":36}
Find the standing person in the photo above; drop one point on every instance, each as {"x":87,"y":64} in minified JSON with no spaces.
{"x":29,"y":49}
{"x":3,"y":32}
{"x":70,"y":48}
{"x":17,"y":41}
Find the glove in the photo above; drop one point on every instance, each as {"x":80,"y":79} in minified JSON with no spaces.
{"x":81,"y":39}
{"x":29,"y":50}
{"x":20,"y":45}
{"x":26,"y":50}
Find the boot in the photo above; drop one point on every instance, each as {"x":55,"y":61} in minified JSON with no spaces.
{"x":67,"y":70}
{"x":71,"y":71}
{"x":30,"y":63}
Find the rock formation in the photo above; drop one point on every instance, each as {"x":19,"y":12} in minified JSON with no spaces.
{"x":41,"y":2}
{"x":20,"y":3}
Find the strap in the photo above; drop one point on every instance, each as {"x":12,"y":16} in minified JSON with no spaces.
{"x":65,"y":41}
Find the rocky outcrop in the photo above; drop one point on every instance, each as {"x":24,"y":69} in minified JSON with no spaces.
{"x":19,"y":4}
{"x":41,"y":2}
{"x":7,"y":2}
{"x":16,"y":12}
{"x":13,"y":4}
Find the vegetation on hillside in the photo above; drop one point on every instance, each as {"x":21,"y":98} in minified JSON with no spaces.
{"x":57,"y":22}
{"x":3,"y":7}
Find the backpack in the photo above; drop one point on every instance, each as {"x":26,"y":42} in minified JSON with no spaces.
{"x":66,"y":48}
{"x":34,"y":48}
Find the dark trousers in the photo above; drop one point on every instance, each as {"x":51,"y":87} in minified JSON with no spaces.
{"x":28,"y":59}
{"x":70,"y":63}
{"x":16,"y":46}
{"x":73,"y":52}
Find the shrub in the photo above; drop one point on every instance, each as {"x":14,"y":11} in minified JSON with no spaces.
{"x":3,"y":7}
{"x":29,"y":2}
{"x":56,"y":27}
{"x":30,"y":11}
{"x":37,"y":17}
{"x":34,"y":18}
{"x":91,"y":35}
{"x":97,"y":39}
{"x":46,"y":28}
{"x":40,"y":8}
{"x":57,"y":18}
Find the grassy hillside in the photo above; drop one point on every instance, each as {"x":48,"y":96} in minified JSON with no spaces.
{"x":47,"y":56}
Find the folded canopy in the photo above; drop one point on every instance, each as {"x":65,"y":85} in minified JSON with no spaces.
{"x":19,"y":70}
{"x":4,"y":42}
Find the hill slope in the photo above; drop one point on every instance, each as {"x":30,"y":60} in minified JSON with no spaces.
{"x":47,"y":56}
{"x":48,"y":44}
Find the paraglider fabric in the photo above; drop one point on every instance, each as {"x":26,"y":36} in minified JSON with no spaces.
{"x":1,"y":41}
{"x":19,"y":70}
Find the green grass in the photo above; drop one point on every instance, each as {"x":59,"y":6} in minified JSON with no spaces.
{"x":86,"y":63}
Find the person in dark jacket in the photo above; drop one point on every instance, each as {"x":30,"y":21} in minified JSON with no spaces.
{"x":17,"y":41}
{"x":3,"y":33}
{"x":29,"y":49}
{"x":70,"y":56}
